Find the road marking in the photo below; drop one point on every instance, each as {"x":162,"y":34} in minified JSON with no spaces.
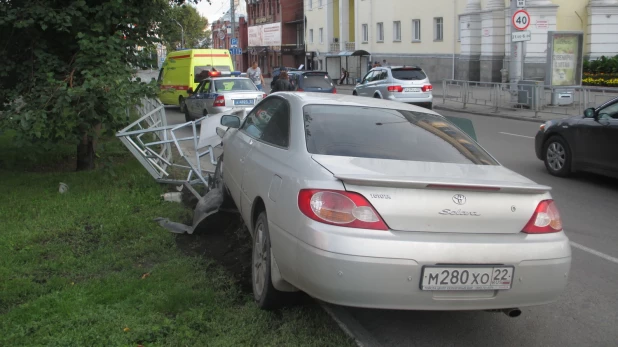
{"x":597,"y":253}
{"x":528,"y":137}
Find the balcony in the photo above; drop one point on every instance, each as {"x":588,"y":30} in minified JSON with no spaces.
{"x":334,"y":47}
{"x":350,"y":46}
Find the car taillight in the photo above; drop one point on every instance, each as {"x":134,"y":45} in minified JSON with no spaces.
{"x":427,"y":88}
{"x":340,"y":208}
{"x":334,"y":90}
{"x":398,"y":89}
{"x":546,"y":219}
{"x":219,"y":101}
{"x":300,"y":90}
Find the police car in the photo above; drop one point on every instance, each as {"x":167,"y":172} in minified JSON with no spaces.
{"x":220,"y":92}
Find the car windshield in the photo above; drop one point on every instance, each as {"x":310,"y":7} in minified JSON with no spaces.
{"x":314,"y":80}
{"x":201,"y":72}
{"x":233,"y":85}
{"x":366,"y":132}
{"x":408,"y":73}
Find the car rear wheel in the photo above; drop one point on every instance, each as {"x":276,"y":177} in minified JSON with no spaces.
{"x":430,"y":106}
{"x":264,"y":293}
{"x":377,"y":96}
{"x":354,"y":93}
{"x":557,"y":156}
{"x":205,"y":113}
{"x":187,"y":116}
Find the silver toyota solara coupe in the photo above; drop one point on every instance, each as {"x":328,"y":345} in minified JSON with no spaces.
{"x":379,"y":204}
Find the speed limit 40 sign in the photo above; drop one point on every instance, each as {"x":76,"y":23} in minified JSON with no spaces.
{"x":521,"y":20}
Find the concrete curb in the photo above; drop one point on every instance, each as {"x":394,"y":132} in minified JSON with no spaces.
{"x":349,"y":325}
{"x":486,"y":114}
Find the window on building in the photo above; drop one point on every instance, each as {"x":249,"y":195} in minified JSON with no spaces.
{"x":321,"y":35}
{"x":320,"y":3}
{"x":278,"y":6}
{"x":438,"y":28}
{"x":365,"y":33}
{"x":310,"y":5}
{"x":270,"y":7}
{"x":380,"y":32}
{"x":396,"y":31}
{"x":416,"y":30}
{"x":310,"y":35}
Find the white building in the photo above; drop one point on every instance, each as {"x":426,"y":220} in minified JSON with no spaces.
{"x":464,"y":39}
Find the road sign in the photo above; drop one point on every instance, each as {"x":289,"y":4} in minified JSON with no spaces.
{"x":235,"y":51}
{"x":521,"y":20}
{"x":234,"y":42}
{"x":520,"y":36}
{"x":221,"y":34}
{"x":521,"y":3}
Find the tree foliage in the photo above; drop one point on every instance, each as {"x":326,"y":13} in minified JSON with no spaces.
{"x":67,"y":66}
{"x":196,"y":28}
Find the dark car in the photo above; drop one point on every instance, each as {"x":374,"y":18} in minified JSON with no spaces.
{"x":582,"y":143}
{"x":312,"y":81}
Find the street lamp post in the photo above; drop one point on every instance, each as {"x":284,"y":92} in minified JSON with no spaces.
{"x":182,"y":35}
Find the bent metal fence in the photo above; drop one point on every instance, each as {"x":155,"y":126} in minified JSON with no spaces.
{"x":527,"y":95}
{"x":172,"y":154}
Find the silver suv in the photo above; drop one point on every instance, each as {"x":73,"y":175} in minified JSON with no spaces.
{"x":407,"y":84}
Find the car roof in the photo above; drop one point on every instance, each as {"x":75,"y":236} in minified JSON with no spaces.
{"x":303,"y":99}
{"x":225,"y":78}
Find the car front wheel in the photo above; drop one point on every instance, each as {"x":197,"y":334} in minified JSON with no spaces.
{"x":557,"y":156}
{"x":264,"y":293}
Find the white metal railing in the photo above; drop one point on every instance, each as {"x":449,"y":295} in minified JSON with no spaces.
{"x":350,"y":46}
{"x":534,"y":96}
{"x":334,"y":47}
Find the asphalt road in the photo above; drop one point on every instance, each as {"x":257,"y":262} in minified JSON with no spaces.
{"x":587,"y":313}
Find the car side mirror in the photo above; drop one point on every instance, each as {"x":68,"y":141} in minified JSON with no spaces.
{"x":190,"y":91}
{"x":230,"y":121}
{"x":589,"y":113}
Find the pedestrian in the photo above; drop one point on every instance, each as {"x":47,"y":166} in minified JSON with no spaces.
{"x":255,"y":74}
{"x":344,"y":76}
{"x":276,"y":74}
{"x":385,"y":64}
{"x":283,"y":83}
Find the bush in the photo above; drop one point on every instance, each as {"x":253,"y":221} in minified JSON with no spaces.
{"x":602,"y":65}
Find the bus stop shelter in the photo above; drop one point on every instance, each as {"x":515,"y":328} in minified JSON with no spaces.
{"x":355,"y":62}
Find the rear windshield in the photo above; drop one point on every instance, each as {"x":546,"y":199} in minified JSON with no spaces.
{"x":200,"y":73}
{"x":231,"y":85}
{"x":316,"y":81}
{"x":365,"y":132}
{"x":409,"y":74}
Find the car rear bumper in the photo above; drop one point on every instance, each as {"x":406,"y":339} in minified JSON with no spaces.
{"x":424,"y":98}
{"x":348,"y":268}
{"x":387,"y":283}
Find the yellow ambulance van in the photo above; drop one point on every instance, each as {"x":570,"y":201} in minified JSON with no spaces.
{"x":183,"y":70}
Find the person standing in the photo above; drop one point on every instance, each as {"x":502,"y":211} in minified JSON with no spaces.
{"x":283,"y":83}
{"x":255,"y":74}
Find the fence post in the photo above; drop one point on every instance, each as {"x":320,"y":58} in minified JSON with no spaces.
{"x":444,"y":86}
{"x":464,"y":97}
{"x":537,"y":96}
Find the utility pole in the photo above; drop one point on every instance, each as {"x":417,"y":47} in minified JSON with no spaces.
{"x":182,"y":35}
{"x":233,"y":22}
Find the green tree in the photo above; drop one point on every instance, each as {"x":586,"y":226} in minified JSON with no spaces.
{"x":195,"y":28}
{"x":67,"y":65}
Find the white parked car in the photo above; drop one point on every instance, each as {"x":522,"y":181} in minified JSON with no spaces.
{"x":371,"y":203}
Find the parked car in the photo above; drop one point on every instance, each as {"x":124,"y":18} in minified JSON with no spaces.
{"x":582,"y":143}
{"x":380,"y":204}
{"x":408,"y":84}
{"x":312,"y":81}
{"x":217,"y":94}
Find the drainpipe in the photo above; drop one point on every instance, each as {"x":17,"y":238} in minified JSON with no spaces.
{"x":455,"y":28}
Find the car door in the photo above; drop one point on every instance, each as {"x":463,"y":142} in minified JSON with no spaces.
{"x":592,"y":138}
{"x":240,"y":148}
{"x":192,"y":102}
{"x":608,"y":118}
{"x":361,"y":89}
{"x":380,"y":83}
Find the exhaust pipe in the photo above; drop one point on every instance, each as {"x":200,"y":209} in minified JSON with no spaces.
{"x":511,"y":312}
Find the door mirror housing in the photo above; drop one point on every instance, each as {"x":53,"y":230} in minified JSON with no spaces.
{"x":590,"y":113}
{"x":190,"y":91}
{"x":230,"y":121}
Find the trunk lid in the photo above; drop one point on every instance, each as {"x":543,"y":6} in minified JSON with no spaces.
{"x":440,"y":197}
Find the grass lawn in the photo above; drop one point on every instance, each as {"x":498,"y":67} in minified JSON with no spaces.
{"x":91,"y":268}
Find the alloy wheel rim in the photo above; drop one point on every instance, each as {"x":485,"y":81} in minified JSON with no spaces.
{"x":259,"y":260}
{"x":556,"y":156}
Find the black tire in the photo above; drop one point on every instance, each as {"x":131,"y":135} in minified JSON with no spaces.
{"x":181,"y":104}
{"x":188,"y":117}
{"x":557,"y":156}
{"x":377,"y":96}
{"x":264,"y":293}
{"x":430,"y":105}
{"x":354,"y":93}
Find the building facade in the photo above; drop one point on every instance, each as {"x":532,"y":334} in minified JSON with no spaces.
{"x":461,"y":39}
{"x":275,"y":33}
{"x":222,"y":35}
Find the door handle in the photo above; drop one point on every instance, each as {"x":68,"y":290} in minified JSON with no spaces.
{"x":250,"y":142}
{"x":242,"y":160}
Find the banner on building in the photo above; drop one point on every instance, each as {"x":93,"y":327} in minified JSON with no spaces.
{"x":265,"y":35}
{"x":564,"y":58}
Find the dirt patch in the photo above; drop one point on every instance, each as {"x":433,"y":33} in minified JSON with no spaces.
{"x":224,"y":238}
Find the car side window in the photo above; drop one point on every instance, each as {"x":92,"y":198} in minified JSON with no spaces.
{"x":368,"y":77}
{"x":383,"y":75}
{"x":609,"y":112}
{"x":256,"y":122}
{"x":277,"y":131}
{"x":200,"y":88}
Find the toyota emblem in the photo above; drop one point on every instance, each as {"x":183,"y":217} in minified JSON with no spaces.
{"x":459,"y":199}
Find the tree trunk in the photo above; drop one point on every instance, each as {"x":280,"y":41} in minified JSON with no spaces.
{"x":85,"y":153}
{"x":86,"y":150}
